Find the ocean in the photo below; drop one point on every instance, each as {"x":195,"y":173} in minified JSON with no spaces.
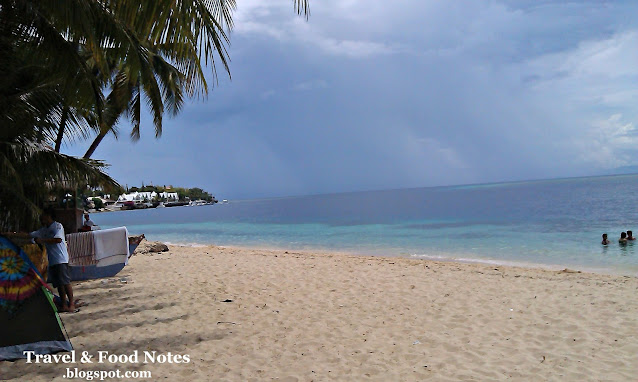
{"x":553,"y":223}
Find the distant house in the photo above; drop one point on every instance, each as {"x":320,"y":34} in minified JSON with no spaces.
{"x":169,"y":196}
{"x":148,"y":196}
{"x":137,"y":196}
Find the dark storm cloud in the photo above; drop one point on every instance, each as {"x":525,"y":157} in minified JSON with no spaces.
{"x":371,"y":95}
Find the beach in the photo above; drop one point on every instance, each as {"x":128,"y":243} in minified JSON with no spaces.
{"x":243,"y":314}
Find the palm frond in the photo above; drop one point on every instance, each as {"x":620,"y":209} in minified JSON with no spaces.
{"x":31,"y":170}
{"x":302,"y":7}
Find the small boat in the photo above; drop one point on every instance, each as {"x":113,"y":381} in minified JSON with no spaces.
{"x":128,"y":205}
{"x":113,"y":206}
{"x":90,"y":272}
{"x":143,"y":205}
{"x":99,"y":254}
{"x":113,"y":249}
{"x":176,"y":204}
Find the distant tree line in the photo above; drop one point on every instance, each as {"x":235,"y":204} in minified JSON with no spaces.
{"x":183,"y":193}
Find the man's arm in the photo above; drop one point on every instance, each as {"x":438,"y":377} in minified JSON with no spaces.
{"x":39,"y":237}
{"x":21,"y":235}
{"x":53,"y":240}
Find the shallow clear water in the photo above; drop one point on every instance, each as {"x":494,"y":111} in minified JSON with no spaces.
{"x":553,"y":222}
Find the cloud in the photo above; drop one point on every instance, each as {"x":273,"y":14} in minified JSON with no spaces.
{"x":589,"y":93}
{"x":610,"y":143}
{"x":261,"y":29}
{"x":351,"y":48}
{"x":375,"y":94}
{"x":268,"y":94}
{"x":311,"y":85}
{"x":436,"y":150}
{"x":259,"y":20}
{"x":609,"y":59}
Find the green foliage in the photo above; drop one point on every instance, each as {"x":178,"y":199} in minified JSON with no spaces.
{"x":149,"y":189}
{"x":73,"y":69}
{"x":197,"y":193}
{"x":194,"y":193}
{"x":98,"y":203}
{"x":182,"y":193}
{"x":31,"y":173}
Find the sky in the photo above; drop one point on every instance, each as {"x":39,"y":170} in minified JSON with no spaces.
{"x":370,"y":95}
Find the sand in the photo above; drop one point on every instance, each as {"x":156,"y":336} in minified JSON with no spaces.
{"x":262,"y":315}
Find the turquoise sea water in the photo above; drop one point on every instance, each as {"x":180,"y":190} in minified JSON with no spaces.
{"x":552,"y":222}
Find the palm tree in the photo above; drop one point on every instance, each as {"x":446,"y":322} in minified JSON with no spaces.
{"x":31,"y":171}
{"x":33,"y":89}
{"x":165,"y":63}
{"x":60,"y":57}
{"x":149,"y":76}
{"x":172,"y":48}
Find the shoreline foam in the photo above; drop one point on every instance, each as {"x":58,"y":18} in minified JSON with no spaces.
{"x":447,"y":257}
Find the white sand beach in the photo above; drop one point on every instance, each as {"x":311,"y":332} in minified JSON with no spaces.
{"x":261,"y":315}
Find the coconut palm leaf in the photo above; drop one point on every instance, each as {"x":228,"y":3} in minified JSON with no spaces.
{"x":61,"y":57}
{"x":302,"y":7}
{"x":30,"y":171}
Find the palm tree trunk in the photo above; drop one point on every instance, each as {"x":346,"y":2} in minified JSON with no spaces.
{"x":94,"y":145}
{"x":58,"y":139}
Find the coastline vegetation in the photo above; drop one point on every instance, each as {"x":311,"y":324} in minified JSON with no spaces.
{"x":73,"y":70}
{"x":183,"y":193}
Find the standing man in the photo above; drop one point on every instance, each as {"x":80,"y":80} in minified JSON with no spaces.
{"x":52,"y":236}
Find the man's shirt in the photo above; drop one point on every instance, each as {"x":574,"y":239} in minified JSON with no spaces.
{"x":57,"y":252}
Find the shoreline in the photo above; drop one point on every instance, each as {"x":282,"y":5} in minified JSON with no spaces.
{"x":433,"y":258}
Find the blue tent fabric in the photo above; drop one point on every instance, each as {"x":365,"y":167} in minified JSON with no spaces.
{"x":29,"y":320}
{"x":19,"y":279}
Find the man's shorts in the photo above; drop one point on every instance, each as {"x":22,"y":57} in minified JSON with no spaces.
{"x":59,"y":275}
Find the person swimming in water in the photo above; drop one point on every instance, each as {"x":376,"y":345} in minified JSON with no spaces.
{"x":623,"y":238}
{"x":630,"y":236}
{"x":605,"y":241}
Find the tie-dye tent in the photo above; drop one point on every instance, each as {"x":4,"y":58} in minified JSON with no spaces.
{"x":28,"y":317}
